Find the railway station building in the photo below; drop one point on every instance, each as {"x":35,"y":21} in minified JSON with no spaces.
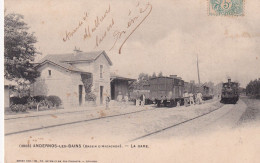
{"x":67,"y":76}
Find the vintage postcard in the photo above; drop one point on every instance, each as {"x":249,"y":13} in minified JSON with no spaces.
{"x":131,"y":81}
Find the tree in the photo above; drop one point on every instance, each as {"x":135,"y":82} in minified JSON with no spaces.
{"x":143,"y":76}
{"x":19,"y":50}
{"x":160,"y":74}
{"x":143,"y":80}
{"x":253,"y":87}
{"x":154,"y":75}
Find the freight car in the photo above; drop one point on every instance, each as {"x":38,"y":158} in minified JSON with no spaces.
{"x":136,"y":94}
{"x":167,"y":91}
{"x":230,"y":93}
{"x":206,"y":93}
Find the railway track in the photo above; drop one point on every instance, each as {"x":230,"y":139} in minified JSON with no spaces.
{"x":172,"y":126}
{"x":33,"y":116}
{"x":111,"y":116}
{"x":75,"y":122}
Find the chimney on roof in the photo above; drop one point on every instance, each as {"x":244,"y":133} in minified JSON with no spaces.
{"x":76,"y":51}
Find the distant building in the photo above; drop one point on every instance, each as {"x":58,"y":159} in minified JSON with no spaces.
{"x":119,"y":85}
{"x":64,"y":75}
{"x":7,"y":89}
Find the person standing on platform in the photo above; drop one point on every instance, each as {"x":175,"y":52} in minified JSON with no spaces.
{"x":191,"y":99}
{"x":137,"y":102}
{"x":119,"y":99}
{"x":126,"y":100}
{"x":186,"y":98}
{"x":107,"y":102}
{"x":142,"y":98}
{"x":199,"y":98}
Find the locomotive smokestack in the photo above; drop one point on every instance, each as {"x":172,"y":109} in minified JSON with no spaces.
{"x":229,"y":80}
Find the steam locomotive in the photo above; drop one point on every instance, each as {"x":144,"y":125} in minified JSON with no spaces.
{"x":230,"y":93}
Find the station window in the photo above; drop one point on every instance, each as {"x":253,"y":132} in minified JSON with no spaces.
{"x":49,"y":72}
{"x":101,"y":71}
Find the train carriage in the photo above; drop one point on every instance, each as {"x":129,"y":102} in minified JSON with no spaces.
{"x":207,"y":92}
{"x":167,"y":91}
{"x":206,"y":95}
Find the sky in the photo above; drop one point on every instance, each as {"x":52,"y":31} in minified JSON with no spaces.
{"x":166,"y":35}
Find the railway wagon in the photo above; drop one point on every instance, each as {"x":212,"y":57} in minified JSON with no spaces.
{"x":136,"y":94}
{"x":230,"y":93}
{"x":206,"y":95}
{"x":167,"y":91}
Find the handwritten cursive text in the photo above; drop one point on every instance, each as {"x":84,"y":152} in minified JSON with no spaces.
{"x":132,"y":25}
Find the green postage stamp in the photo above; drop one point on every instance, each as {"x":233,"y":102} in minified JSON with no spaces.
{"x":226,"y":7}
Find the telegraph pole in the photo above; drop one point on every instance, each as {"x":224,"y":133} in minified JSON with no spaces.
{"x":198,"y":69}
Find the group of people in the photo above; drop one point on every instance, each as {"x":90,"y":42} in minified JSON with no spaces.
{"x":140,"y":101}
{"x":124,"y":99}
{"x":120,"y":99}
{"x":191,"y":99}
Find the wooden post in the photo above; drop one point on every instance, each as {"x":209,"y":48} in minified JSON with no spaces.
{"x":198,"y":69}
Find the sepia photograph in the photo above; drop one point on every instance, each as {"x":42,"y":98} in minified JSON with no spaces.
{"x":131,"y":81}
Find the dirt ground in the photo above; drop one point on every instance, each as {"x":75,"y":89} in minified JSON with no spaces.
{"x":252,"y":113}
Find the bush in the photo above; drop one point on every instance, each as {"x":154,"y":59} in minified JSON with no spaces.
{"x":19,"y":100}
{"x":14,"y":108}
{"x":45,"y":104}
{"x":55,"y":100}
{"x":32,"y":105}
{"x":90,"y":97}
{"x":26,"y":102}
{"x":40,"y":98}
{"x":18,"y":107}
{"x":42,"y":104}
{"x":14,"y":100}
